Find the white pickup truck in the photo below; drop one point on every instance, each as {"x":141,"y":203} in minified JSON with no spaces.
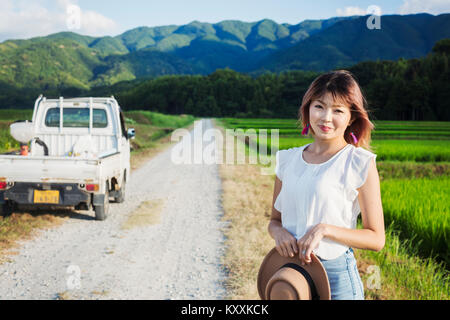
{"x":80,"y":156}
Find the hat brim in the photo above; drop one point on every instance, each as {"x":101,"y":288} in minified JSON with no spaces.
{"x":274,"y":261}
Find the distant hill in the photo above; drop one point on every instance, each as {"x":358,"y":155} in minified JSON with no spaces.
{"x":348,"y":42}
{"x":68,"y":59}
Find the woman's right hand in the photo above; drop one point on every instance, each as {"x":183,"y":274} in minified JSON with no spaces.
{"x":285,"y":243}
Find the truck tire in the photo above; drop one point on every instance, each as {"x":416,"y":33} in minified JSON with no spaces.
{"x":6,"y":209}
{"x":101,"y":211}
{"x":121,"y":193}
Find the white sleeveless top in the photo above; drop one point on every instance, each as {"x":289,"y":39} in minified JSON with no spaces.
{"x":321,"y":193}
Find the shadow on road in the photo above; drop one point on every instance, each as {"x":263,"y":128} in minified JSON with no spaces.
{"x":62,"y":212}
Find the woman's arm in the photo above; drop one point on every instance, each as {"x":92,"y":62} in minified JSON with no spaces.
{"x":371,"y":237}
{"x":285,"y":242}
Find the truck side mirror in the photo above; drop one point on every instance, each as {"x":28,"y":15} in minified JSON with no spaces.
{"x":131,"y":133}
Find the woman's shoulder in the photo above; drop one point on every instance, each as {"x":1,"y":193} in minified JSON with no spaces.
{"x":282,"y":159}
{"x":285,"y":154}
{"x":359,"y":165}
{"x":360,"y":154}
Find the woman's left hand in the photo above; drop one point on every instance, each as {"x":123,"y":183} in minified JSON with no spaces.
{"x":309,"y":242}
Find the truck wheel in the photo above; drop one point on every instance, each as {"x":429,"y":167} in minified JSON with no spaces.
{"x":101,"y":211}
{"x":6,"y":209}
{"x":121,"y":194}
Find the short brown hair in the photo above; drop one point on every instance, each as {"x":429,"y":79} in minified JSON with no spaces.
{"x":344,"y":88}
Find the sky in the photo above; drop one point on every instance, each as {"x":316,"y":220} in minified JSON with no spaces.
{"x":23,"y":19}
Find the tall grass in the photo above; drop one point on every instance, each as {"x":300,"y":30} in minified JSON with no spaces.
{"x":383,"y":129}
{"x":392,"y":140}
{"x":152,"y":126}
{"x":386,"y":150}
{"x":13,"y":114}
{"x":420,"y":208}
{"x":159,"y":119}
{"x":404,"y":275}
{"x":7,"y":142}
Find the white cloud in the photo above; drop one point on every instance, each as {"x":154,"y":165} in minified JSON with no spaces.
{"x":93,"y":23}
{"x":351,"y":11}
{"x":430,"y":6}
{"x":21,"y":19}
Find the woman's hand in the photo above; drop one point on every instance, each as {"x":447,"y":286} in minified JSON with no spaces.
{"x":309,"y":242}
{"x":285,"y":243}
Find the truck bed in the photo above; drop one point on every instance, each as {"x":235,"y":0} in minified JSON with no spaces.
{"x":57,"y":169}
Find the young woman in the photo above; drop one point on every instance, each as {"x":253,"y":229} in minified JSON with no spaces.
{"x":321,"y":187}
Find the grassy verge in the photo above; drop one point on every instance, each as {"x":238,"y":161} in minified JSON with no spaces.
{"x":247,"y":201}
{"x":23,"y":226}
{"x":151,"y":141}
{"x":403,"y":274}
{"x":147,"y":213}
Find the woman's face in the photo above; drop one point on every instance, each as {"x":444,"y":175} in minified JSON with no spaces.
{"x":328,"y":118}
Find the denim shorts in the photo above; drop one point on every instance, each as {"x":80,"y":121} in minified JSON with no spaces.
{"x":343,"y":275}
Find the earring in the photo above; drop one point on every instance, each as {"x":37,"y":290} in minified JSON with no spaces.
{"x":355,"y":140}
{"x":305,"y":130}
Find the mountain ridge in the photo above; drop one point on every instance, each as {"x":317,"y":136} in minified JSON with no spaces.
{"x":68,"y":59}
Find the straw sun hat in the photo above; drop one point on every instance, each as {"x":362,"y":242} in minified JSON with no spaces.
{"x":282,"y":278}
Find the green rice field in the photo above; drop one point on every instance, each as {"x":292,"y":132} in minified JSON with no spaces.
{"x":392,"y":140}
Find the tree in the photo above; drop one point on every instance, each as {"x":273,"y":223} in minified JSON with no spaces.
{"x":442,"y":46}
{"x":189,"y":108}
{"x":210,"y":107}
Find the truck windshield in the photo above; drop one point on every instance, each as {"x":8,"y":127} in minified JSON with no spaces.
{"x":76,"y":118}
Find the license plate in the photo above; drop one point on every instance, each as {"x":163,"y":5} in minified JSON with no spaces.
{"x":46,"y":196}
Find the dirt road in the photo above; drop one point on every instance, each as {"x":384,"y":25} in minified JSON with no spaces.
{"x":177,"y":258}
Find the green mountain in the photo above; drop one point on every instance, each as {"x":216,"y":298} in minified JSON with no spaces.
{"x":70,"y":60}
{"x":47,"y":63}
{"x":67,"y":59}
{"x":348,"y":42}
